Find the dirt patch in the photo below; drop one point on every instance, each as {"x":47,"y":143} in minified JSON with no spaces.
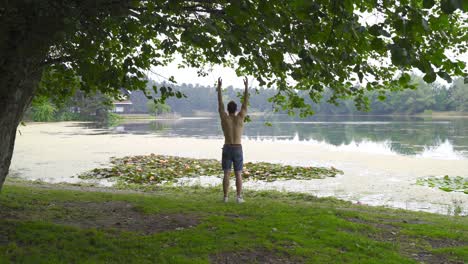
{"x":409,"y":246}
{"x":386,"y":232}
{"x":253,"y":256}
{"x":388,"y":222}
{"x":429,"y":258}
{"x":235,"y":216}
{"x":379,"y":223}
{"x":403,"y":221}
{"x":9,"y":214}
{"x":441,"y":243}
{"x":3,"y":235}
{"x":122,"y":216}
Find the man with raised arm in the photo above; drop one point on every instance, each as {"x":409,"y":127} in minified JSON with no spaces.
{"x":233,"y":126}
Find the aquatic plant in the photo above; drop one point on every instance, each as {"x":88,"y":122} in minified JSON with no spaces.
{"x":158,"y":169}
{"x":446,"y":183}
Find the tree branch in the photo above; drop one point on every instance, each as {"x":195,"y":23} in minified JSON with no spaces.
{"x":58,"y":60}
{"x":203,"y":9}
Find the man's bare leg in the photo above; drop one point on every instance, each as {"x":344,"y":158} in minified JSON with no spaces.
{"x":239,"y":185}
{"x":227,"y":173}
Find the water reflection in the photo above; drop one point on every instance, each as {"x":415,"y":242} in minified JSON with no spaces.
{"x":446,"y":139}
{"x":443,"y":151}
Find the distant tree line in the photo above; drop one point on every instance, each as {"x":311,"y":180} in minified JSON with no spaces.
{"x":98,"y":107}
{"x":426,"y":97}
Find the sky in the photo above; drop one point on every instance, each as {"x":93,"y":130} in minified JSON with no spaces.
{"x":189,"y":75}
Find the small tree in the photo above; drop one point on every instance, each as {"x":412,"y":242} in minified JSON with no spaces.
{"x":157,"y":108}
{"x":43,"y":110}
{"x":459,"y":91}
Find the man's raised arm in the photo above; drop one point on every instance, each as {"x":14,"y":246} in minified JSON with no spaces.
{"x":220,"y":97}
{"x":243,"y":110}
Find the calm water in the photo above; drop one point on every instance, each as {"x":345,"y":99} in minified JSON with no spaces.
{"x":440,"y":138}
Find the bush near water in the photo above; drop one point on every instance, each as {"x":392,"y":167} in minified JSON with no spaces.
{"x":158,"y":169}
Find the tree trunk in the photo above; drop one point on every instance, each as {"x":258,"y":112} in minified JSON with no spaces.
{"x":16,"y":93}
{"x":28,"y":30}
{"x":25,"y":29}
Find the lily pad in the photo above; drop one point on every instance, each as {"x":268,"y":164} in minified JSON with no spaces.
{"x":446,"y":183}
{"x":158,"y":168}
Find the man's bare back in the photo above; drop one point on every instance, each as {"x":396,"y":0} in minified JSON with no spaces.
{"x":233,"y":126}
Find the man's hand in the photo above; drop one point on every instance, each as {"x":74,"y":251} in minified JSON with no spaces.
{"x":220,"y":83}
{"x":243,"y":111}
{"x":220,"y":98}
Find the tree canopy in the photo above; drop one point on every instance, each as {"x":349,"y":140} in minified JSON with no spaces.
{"x":347,"y":46}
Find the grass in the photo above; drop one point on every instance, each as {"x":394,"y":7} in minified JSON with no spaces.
{"x":43,"y":223}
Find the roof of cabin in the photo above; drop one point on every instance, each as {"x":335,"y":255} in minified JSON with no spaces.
{"x":124,"y":102}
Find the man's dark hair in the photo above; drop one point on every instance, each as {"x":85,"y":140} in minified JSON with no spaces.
{"x":232,"y":107}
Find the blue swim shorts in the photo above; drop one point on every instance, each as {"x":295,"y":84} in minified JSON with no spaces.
{"x":232,"y":154}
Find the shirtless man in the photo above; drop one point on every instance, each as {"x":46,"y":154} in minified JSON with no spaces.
{"x":233,"y":126}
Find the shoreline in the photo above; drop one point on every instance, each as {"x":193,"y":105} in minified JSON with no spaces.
{"x":449,"y":114}
{"x":56,"y":152}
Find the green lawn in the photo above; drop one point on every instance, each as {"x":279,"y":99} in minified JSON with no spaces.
{"x":53,"y":224}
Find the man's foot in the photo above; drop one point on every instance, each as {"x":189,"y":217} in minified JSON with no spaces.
{"x":240,"y":199}
{"x":225,"y":199}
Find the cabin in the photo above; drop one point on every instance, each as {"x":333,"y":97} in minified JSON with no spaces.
{"x":123,"y":107}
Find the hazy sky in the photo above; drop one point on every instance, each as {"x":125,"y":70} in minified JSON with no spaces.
{"x":189,"y":75}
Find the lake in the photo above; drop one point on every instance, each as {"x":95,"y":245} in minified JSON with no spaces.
{"x":393,"y":135}
{"x":382,"y":158}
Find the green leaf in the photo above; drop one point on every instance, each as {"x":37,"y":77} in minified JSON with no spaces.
{"x":404,"y":79}
{"x":276,"y":57}
{"x":423,"y":65}
{"x":430,"y":77}
{"x":399,"y":55}
{"x":361,"y":76}
{"x":377,"y":44}
{"x":449,"y":6}
{"x":445,"y":76}
{"x":374,"y":30}
{"x":428,"y":3}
